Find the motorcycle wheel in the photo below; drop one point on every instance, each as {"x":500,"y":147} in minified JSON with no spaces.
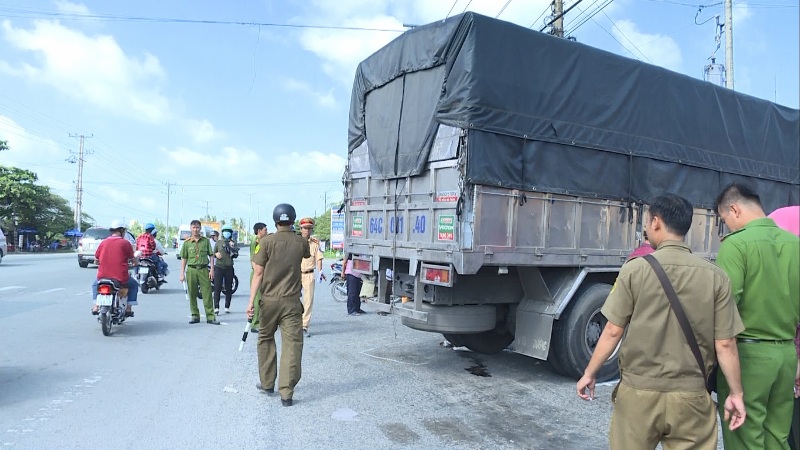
{"x":105,"y":322}
{"x":339,"y":290}
{"x":234,"y":284}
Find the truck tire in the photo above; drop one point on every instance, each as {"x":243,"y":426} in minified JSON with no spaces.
{"x":83,"y":264}
{"x":455,"y":339}
{"x":489,"y":342}
{"x":576,"y":333}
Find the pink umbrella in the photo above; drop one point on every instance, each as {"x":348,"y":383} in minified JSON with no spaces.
{"x":787,"y":218}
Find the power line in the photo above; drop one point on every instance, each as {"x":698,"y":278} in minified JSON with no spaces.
{"x":451,"y":10}
{"x":502,"y":9}
{"x":623,"y":35}
{"x":118,"y":18}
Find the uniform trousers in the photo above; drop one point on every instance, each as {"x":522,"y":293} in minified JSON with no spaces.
{"x":768,"y":371}
{"x":285,"y":313}
{"x":308,"y":297}
{"x":223,"y":277}
{"x":199,"y":277}
{"x":678,"y":419}
{"x":256,"y":303}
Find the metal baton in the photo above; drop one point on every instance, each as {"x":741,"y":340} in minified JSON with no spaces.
{"x":246,"y":332}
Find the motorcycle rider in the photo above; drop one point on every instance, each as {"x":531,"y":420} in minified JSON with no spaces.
{"x":163,"y":267}
{"x":113,"y":256}
{"x":146,"y":243}
{"x":224,"y":251}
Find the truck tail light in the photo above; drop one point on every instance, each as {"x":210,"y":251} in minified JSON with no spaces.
{"x":439,"y":275}
{"x":362,"y":265}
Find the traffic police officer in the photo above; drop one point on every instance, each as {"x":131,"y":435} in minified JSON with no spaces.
{"x":196,"y":254}
{"x":277,"y":272}
{"x":307,"y":268}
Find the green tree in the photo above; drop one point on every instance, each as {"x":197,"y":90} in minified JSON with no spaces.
{"x":18,"y":195}
{"x":322,"y":226}
{"x":4,"y":145}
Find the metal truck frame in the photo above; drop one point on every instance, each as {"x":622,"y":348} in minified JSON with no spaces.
{"x":505,"y":207}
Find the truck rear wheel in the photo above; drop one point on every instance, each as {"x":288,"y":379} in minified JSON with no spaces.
{"x":455,"y":339}
{"x":492,"y":341}
{"x":576,"y":333}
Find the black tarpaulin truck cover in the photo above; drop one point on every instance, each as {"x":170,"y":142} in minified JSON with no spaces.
{"x":547,"y":114}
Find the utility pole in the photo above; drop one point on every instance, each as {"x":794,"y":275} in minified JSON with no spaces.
{"x":558,"y":14}
{"x":79,"y":184}
{"x":729,"y":43}
{"x":167,"y":241}
{"x":207,"y":210}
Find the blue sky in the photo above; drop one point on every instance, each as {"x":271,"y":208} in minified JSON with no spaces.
{"x":242,"y":117}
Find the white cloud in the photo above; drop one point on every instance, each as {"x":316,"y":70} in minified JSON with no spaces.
{"x":94,"y":69}
{"x":341,"y":51}
{"x":72,"y":8}
{"x":238,"y":160}
{"x":27,"y":146}
{"x":661,"y":51}
{"x":324,"y":99}
{"x":202,"y":131}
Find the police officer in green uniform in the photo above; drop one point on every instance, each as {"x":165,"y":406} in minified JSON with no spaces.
{"x":277,"y":272}
{"x":196,"y":254}
{"x":763,"y":263}
{"x":260,"y":230}
{"x":661,"y":396}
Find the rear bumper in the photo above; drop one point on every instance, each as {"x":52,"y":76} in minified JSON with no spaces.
{"x":82,"y":257}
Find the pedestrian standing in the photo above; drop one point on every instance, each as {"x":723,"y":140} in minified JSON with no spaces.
{"x":353,"y":281}
{"x":277,"y":272}
{"x":662,"y":394}
{"x":763,"y":263}
{"x":307,"y":269}
{"x":223,"y":270}
{"x":196,"y":255}
{"x":260,"y":230}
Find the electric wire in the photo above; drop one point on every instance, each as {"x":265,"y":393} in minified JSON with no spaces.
{"x":502,"y":9}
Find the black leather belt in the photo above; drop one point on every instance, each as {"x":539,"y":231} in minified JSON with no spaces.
{"x":765,"y":341}
{"x":199,"y":267}
{"x":308,"y":271}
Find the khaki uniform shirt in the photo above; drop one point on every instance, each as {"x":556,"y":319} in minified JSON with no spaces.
{"x":655,"y":354}
{"x":280,"y":254}
{"x":309,"y":264}
{"x":197,"y":253}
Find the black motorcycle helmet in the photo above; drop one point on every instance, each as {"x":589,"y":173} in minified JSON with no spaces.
{"x":284,"y":214}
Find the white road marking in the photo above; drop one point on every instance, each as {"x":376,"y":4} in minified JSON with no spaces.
{"x":83,"y":293}
{"x":8,"y":288}
{"x":49,"y":291}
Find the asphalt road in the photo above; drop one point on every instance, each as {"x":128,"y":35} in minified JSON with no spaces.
{"x":159,"y":382}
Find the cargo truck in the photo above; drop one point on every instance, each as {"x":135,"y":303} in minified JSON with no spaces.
{"x":502,"y":175}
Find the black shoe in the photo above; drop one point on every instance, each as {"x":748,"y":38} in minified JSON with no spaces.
{"x":254,"y":330}
{"x":213,"y":322}
{"x":305,"y":331}
{"x":286,"y":402}
{"x":265,"y":391}
{"x":128,"y":313}
{"x":195,"y":320}
{"x":362,"y":312}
